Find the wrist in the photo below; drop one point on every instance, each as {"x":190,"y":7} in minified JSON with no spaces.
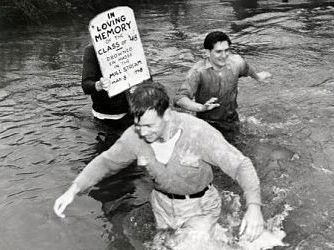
{"x":74,"y":189}
{"x":98,"y":86}
{"x":201,"y":108}
{"x":258,"y":78}
{"x":254,"y":204}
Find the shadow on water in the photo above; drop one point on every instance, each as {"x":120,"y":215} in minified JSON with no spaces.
{"x":48,"y":135}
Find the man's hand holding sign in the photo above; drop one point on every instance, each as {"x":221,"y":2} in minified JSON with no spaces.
{"x":119,"y":50}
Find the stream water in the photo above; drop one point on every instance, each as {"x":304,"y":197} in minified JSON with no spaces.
{"x":47,"y":134}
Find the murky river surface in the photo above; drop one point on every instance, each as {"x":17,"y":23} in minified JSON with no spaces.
{"x":48,"y":135}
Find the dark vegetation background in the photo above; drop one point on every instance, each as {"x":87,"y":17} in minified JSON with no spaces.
{"x":27,"y":12}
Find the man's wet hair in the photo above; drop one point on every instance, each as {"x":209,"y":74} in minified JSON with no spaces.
{"x":148,"y":95}
{"x":213,"y":37}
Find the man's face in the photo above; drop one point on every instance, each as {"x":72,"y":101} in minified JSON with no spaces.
{"x":150,"y":126}
{"x":219,"y":54}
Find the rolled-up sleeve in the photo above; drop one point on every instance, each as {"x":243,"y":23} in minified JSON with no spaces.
{"x":245,"y":69}
{"x":218,"y":152}
{"x":119,"y":156}
{"x":189,"y":87}
{"x":248,"y":180}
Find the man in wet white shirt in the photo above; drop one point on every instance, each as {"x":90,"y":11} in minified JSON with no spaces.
{"x":178,"y":151}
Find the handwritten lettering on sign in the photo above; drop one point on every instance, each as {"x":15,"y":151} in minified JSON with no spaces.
{"x":119,"y":49}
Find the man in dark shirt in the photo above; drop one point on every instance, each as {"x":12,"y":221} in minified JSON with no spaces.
{"x":112,"y":111}
{"x":211,"y":86}
{"x":111,"y":114}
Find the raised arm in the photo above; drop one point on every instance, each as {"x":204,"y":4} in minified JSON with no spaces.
{"x":258,"y":76}
{"x":247,"y":70}
{"x":184,"y":97}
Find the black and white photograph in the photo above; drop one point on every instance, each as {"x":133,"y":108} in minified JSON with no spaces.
{"x":166,"y":124}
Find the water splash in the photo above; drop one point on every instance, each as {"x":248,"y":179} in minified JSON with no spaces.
{"x":225,"y":234}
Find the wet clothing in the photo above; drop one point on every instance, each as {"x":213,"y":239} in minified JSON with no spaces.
{"x":195,"y":222}
{"x":183,"y":198}
{"x":188,"y":170}
{"x":102,"y":103}
{"x":204,"y":82}
{"x":174,"y":213}
{"x":109,"y":130}
{"x":111,"y":115}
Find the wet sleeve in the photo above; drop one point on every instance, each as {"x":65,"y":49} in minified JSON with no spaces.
{"x":189,"y":87}
{"x":119,"y":156}
{"x":246,"y":70}
{"x":90,"y":71}
{"x":243,"y":67}
{"x":218,"y":152}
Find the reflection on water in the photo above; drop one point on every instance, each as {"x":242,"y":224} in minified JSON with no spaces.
{"x":48,"y":135}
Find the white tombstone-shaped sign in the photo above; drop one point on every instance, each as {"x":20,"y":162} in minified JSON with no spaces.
{"x":119,"y":49}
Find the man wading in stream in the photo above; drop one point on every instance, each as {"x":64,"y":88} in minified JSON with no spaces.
{"x":178,"y":151}
{"x":211,"y":86}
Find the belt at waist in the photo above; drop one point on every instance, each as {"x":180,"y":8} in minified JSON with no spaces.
{"x":182,"y":197}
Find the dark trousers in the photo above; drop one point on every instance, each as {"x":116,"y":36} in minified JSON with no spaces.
{"x":110,"y":130}
{"x":230,"y":130}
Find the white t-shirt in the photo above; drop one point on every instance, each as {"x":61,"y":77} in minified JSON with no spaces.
{"x":163,"y":150}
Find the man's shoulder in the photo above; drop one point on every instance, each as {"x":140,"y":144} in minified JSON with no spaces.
{"x":197,"y":68}
{"x":198,"y":129}
{"x":130,"y":136}
{"x":191,"y":122}
{"x":199,"y":64}
{"x":89,"y":48}
{"x":129,"y":132}
{"x":236,"y":59}
{"x":237,"y":63}
{"x":90,"y":54}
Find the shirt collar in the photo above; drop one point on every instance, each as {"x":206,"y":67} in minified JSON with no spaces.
{"x":207,"y":63}
{"x":173,"y":126}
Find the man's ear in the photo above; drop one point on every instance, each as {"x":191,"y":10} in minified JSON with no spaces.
{"x":207,"y":52}
{"x":167,"y":114}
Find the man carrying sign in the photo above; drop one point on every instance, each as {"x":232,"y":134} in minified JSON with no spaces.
{"x":111,"y":110}
{"x":119,"y":50}
{"x":113,"y":64}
